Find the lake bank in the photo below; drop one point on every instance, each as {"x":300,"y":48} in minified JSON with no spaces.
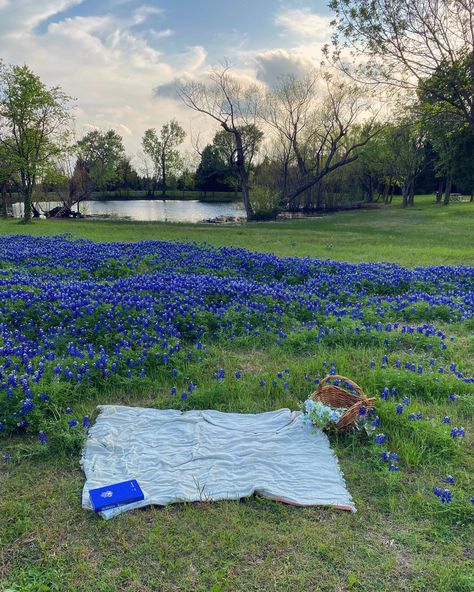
{"x":139,"y":210}
{"x":390,"y":234}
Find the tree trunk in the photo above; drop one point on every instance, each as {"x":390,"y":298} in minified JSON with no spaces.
{"x":243,"y":176}
{"x":285,"y":177}
{"x":439,"y":193}
{"x":27,"y":204}
{"x":4,"y":201}
{"x":472,"y":195}
{"x":370,"y":190}
{"x":163,"y":173}
{"x":319,"y":197}
{"x":405,"y":191}
{"x":411,"y":194}
{"x":246,"y":198}
{"x":447,"y":191}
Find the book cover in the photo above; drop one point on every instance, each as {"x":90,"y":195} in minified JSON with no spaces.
{"x":116,"y":494}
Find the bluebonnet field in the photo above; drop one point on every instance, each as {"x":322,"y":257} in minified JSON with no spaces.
{"x":78,"y":318}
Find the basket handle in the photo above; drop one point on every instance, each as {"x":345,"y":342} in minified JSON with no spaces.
{"x":348,"y":380}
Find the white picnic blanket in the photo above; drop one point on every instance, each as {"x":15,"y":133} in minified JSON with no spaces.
{"x":210,"y":455}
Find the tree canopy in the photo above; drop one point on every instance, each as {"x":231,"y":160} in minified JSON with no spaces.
{"x":34,"y":126}
{"x":101,"y":153}
{"x":162,"y":150}
{"x":403,"y":43}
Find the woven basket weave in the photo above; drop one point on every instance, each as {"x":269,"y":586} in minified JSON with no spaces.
{"x":336,"y":396}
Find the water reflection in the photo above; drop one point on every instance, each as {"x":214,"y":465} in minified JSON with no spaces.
{"x":146,"y":210}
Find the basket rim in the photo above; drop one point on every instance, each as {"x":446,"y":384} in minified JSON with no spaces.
{"x":356,"y":402}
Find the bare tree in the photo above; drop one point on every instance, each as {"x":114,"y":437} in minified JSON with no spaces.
{"x":404,"y":42}
{"x":234,"y":106}
{"x":313,"y":116}
{"x":68,"y":183}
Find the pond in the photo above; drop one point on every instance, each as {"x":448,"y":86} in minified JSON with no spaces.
{"x":147,"y":210}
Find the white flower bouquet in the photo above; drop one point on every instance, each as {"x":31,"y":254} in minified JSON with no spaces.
{"x":322,"y":415}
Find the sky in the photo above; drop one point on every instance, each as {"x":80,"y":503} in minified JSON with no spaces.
{"x":121,"y":59}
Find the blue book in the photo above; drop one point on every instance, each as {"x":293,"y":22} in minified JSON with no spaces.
{"x":117,"y":494}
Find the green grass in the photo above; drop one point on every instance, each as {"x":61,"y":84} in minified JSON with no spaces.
{"x":424,"y":235}
{"x":401,"y":538}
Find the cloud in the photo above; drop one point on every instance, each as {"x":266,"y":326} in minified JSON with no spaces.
{"x":23,"y":16}
{"x":305,"y":24}
{"x":169,"y":90}
{"x":161,"y":34}
{"x":195,"y":58}
{"x":103,"y":61}
{"x":141,"y":14}
{"x":273,"y":64}
{"x":124,"y":67}
{"x":192,"y":68}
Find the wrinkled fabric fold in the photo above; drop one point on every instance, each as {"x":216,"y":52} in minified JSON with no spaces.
{"x":210,"y":456}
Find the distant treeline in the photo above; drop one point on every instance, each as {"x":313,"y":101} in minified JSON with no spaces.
{"x":316,"y":141}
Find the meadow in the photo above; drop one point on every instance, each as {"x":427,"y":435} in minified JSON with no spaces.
{"x":246,"y":318}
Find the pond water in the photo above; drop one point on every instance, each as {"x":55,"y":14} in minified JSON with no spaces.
{"x":151,"y":210}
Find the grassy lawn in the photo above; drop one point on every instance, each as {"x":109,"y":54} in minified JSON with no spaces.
{"x":423,"y":235}
{"x":401,"y":538}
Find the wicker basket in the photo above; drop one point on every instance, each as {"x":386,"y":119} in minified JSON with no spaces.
{"x":335,"y":396}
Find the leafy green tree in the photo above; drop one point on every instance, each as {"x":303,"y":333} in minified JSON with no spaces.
{"x":162,"y":150}
{"x":225,"y":143}
{"x":126,"y":175}
{"x":101,"y":153}
{"x":406,"y":144}
{"x":186,"y":181}
{"x":34,"y":126}
{"x":212,"y":171}
{"x":441,"y":119}
{"x":218,"y":169}
{"x":463,"y":169}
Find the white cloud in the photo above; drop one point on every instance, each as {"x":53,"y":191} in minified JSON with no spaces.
{"x":273,"y":64}
{"x":102,"y":61}
{"x":22,"y":16}
{"x":304,"y":23}
{"x":196,"y":58}
{"x":141,"y":14}
{"x":116,"y":67}
{"x":161,"y":34}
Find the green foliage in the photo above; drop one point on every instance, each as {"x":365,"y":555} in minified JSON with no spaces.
{"x":162,"y":151}
{"x":218,"y":168}
{"x":34,"y":126}
{"x":213,"y":173}
{"x":463,"y":169}
{"x":101,"y":153}
{"x":265,"y":202}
